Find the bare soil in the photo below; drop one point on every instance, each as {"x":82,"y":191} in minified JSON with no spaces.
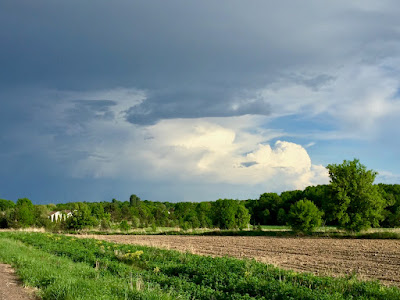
{"x":11,"y":288}
{"x":368,"y":259}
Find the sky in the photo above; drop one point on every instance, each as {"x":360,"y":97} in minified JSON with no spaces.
{"x":185,"y":100}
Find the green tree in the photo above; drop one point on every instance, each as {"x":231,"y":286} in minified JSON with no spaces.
{"x":391,"y":194}
{"x":97,"y":210}
{"x":204,"y":213}
{"x":230,"y":214}
{"x":24,"y":214}
{"x":225,"y":211}
{"x":281,"y":217}
{"x":242,"y":217}
{"x":266,"y":209}
{"x":134,"y":200}
{"x":7,"y":219}
{"x":81,"y":217}
{"x":317,"y":194}
{"x":114,"y":209}
{"x":6,"y":213}
{"x":42,"y":216}
{"x":355,"y":201}
{"x":6,"y":204}
{"x":289,"y":198}
{"x":304,"y":216}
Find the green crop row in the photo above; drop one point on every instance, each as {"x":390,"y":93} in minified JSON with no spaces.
{"x":188,"y":276}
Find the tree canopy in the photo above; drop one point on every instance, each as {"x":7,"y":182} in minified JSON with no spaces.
{"x":6,"y":204}
{"x":355,"y":201}
{"x":24,"y":213}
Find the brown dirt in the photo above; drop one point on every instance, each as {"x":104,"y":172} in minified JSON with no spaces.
{"x":11,"y":288}
{"x":369,"y":259}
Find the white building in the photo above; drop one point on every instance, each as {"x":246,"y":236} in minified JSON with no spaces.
{"x":56,"y":216}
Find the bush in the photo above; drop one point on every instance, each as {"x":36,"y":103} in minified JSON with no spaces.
{"x":185,"y":226}
{"x":304,"y":216}
{"x":105,"y":224}
{"x":124,"y":226}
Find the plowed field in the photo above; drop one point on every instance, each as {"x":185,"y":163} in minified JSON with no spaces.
{"x":369,"y":259}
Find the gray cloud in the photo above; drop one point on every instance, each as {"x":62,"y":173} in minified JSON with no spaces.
{"x":187,"y":51}
{"x":314,"y":81}
{"x":84,"y":110}
{"x":216,"y":102}
{"x":249,"y":164}
{"x":191,"y":59}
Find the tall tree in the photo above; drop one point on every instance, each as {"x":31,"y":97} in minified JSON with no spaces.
{"x":24,"y":214}
{"x":242,"y":217}
{"x":391,"y":193}
{"x":355,"y":201}
{"x":134,"y":200}
{"x":269,"y":205}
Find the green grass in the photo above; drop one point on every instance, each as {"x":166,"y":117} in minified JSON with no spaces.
{"x":69,"y":268}
{"x":59,"y":277}
{"x":266,"y":230}
{"x":274,"y":227}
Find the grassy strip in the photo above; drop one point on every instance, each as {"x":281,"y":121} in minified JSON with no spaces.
{"x":199,"y":277}
{"x":265,"y":232}
{"x":331,"y":234}
{"x":61,"y":278}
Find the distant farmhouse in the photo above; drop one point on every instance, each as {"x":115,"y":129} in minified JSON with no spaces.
{"x":57,"y":216}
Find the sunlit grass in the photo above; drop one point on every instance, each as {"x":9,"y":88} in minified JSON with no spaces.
{"x":64,"y":267}
{"x":58,"y":277}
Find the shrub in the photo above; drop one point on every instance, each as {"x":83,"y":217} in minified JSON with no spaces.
{"x":304,"y":216}
{"x":124,"y":226}
{"x":105,"y":224}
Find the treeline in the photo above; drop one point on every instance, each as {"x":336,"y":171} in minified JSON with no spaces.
{"x":223,"y":213}
{"x":269,"y":209}
{"x":273,"y":209}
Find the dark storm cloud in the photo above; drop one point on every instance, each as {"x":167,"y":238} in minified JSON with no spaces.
{"x":171,"y":48}
{"x":191,"y":59}
{"x":84,"y":110}
{"x":216,"y":102}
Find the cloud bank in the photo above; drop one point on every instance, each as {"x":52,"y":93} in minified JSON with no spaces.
{"x":194,"y":100}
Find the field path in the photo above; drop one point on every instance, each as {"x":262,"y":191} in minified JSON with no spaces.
{"x":10,"y":286}
{"x":369,"y":259}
